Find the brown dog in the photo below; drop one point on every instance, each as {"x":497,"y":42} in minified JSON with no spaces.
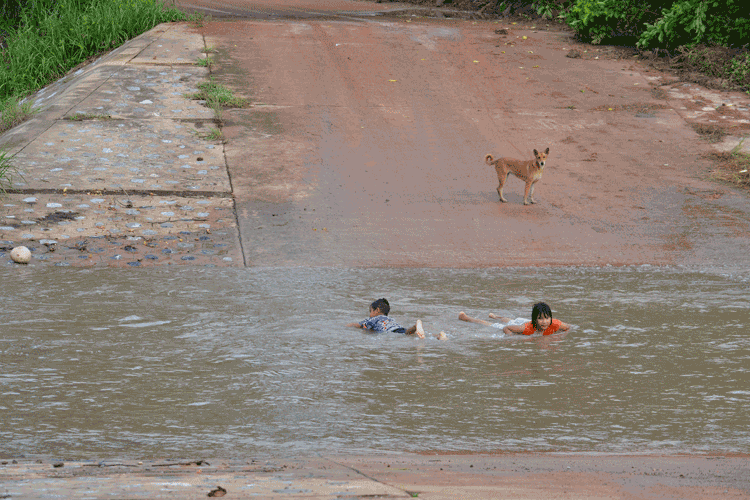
{"x":529,"y":171}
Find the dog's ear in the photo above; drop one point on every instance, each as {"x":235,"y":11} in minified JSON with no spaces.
{"x":547,"y":151}
{"x":536,"y":153}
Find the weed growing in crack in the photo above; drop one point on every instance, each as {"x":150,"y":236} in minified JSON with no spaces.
{"x":217,"y":95}
{"x":214,"y":134}
{"x":7,"y":171}
{"x":204,"y":62}
{"x":79,"y":117}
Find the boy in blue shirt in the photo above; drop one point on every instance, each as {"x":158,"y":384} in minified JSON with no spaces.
{"x":379,"y":321}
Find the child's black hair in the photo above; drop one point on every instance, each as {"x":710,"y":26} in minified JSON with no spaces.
{"x":382,"y":305}
{"x":542,"y":310}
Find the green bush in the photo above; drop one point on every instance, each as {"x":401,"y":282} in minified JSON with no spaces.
{"x":548,"y":9}
{"x":689,"y":22}
{"x":599,"y":20}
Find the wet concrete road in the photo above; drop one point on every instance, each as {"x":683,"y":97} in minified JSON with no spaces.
{"x":435,"y":477}
{"x":366,"y":146}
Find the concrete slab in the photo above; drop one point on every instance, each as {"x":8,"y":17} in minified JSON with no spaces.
{"x":177,"y":45}
{"x":115,"y":230}
{"x":391,"y":475}
{"x":136,"y":92}
{"x":727,"y":111}
{"x":124,"y":156}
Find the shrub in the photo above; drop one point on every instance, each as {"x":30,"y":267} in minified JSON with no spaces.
{"x":549,"y":9}
{"x":599,"y":20}
{"x":689,"y":22}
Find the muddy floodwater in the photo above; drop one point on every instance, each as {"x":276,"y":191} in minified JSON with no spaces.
{"x":187,"y":362}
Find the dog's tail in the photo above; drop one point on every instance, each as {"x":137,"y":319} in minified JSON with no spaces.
{"x":488,"y":159}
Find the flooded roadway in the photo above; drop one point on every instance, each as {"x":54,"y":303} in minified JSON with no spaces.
{"x":189,"y":362}
{"x":235,"y":362}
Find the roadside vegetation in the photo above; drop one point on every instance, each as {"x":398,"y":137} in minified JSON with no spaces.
{"x":41,"y":40}
{"x":7,"y":172}
{"x":733,"y":167}
{"x":217,"y":97}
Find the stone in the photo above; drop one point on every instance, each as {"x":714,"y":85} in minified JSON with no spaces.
{"x":20,"y":255}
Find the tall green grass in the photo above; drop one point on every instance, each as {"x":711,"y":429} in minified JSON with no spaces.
{"x":49,"y":37}
{"x":44,"y":39}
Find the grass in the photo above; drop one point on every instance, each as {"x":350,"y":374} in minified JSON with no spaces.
{"x":198,"y":19}
{"x":204,"y":62}
{"x":218,"y":97}
{"x":7,"y":171}
{"x":216,"y":94}
{"x":214,"y":134}
{"x":79,"y":117}
{"x":733,"y":167}
{"x":13,"y":112}
{"x":51,"y":37}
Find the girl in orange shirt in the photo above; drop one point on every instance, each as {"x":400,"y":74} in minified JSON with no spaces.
{"x":541,"y":322}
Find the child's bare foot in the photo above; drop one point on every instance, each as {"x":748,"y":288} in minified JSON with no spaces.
{"x":462,"y":316}
{"x":502,"y":319}
{"x":420,"y":330}
{"x":441,"y":336}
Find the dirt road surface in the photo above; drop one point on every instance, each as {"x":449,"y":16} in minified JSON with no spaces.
{"x":366,"y":146}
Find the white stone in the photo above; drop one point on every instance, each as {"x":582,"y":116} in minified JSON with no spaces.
{"x":21,"y":255}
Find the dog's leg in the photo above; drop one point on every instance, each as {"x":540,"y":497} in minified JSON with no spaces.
{"x":528,"y":193}
{"x":502,"y":177}
{"x":531,"y":192}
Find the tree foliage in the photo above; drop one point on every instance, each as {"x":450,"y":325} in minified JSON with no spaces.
{"x":662,"y":23}
{"x":689,"y":22}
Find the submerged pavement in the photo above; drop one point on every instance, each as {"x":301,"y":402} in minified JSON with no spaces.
{"x":115,"y":169}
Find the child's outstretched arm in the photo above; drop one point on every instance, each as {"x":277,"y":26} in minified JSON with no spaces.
{"x":513,"y":330}
{"x":564,"y":327}
{"x":355,"y":325}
